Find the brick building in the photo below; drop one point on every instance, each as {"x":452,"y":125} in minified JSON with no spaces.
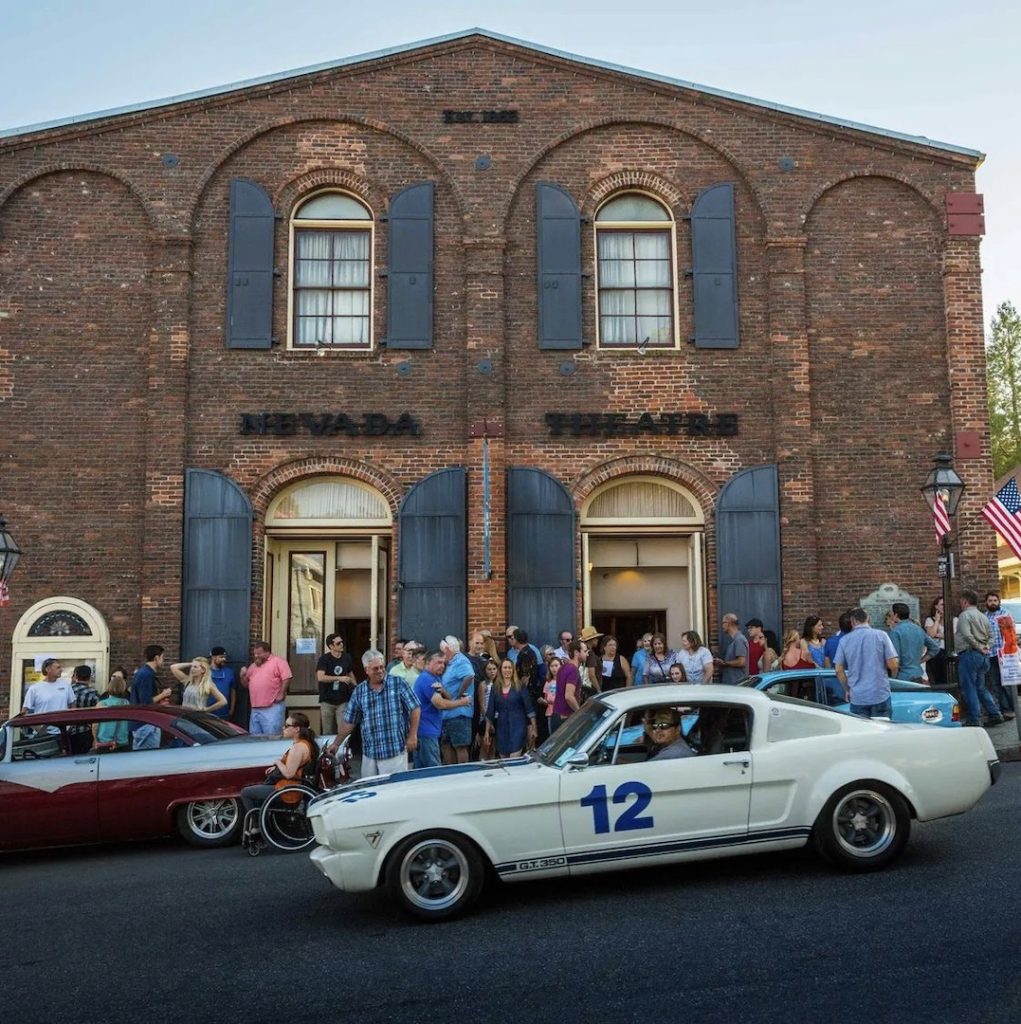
{"x":468,"y":332}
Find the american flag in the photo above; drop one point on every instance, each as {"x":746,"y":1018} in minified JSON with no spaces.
{"x":1002,"y":515}
{"x":940,"y":518}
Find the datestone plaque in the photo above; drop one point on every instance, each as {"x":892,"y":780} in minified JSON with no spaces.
{"x":882,"y":599}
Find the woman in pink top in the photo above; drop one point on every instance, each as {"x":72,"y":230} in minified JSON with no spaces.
{"x":549,"y":690}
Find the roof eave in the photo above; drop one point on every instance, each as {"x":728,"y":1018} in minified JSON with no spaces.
{"x":406,"y":48}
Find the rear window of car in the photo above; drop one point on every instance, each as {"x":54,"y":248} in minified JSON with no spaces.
{"x":798,"y":719}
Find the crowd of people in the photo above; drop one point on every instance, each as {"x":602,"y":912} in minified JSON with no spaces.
{"x":448,"y":705}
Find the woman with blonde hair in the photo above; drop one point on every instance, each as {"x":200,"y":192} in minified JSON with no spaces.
{"x":510,"y":714}
{"x":489,"y":645}
{"x":199,"y":688}
{"x":112,"y":735}
{"x":795,"y":652}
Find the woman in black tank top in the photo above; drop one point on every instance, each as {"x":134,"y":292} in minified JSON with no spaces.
{"x":616,"y":672}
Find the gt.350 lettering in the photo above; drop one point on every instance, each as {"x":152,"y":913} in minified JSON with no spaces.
{"x":540,"y":863}
{"x":631,"y":819}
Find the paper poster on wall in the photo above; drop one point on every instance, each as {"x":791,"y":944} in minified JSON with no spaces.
{"x":1010,"y":661}
{"x":305,"y":645}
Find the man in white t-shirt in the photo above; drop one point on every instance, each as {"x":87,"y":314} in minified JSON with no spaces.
{"x":51,"y":693}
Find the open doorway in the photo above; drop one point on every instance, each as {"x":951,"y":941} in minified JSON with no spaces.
{"x":327,"y":571}
{"x":643,"y":563}
{"x":628,"y":626}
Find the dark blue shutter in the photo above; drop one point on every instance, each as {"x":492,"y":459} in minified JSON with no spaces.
{"x":714,"y":268}
{"x":250,"y":267}
{"x":748,"y":547}
{"x":217,"y":580}
{"x":410,"y":270}
{"x":541,"y":531}
{"x":558,"y":248}
{"x":433,"y":564}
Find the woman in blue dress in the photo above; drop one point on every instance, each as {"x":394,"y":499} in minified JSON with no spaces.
{"x":510,"y":713}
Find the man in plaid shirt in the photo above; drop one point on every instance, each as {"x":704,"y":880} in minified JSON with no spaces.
{"x":388,"y":711}
{"x":1003,"y":695}
{"x":84,"y":697}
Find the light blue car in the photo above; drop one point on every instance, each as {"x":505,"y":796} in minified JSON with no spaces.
{"x":912,"y":703}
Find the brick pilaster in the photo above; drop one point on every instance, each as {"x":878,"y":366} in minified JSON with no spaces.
{"x":792,"y":422}
{"x":962,"y":289}
{"x":166,"y":430}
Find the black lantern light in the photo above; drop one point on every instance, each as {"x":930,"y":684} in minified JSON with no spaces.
{"x":944,"y":481}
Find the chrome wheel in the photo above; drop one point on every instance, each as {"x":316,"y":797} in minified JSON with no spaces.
{"x":864,"y":823}
{"x":211,"y":822}
{"x":434,"y":874}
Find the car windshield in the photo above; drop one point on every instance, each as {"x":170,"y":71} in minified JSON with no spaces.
{"x":750,"y":681}
{"x":202,"y":727}
{"x":573,"y":733}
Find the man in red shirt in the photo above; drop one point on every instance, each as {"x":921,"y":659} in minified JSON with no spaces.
{"x":266,"y":681}
{"x":756,"y":646}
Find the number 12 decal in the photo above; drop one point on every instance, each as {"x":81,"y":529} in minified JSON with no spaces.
{"x":630,"y":819}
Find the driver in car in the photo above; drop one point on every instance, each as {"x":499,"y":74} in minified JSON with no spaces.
{"x":663,"y":726}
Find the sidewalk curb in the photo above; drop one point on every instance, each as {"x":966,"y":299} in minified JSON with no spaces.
{"x":1009,"y":753}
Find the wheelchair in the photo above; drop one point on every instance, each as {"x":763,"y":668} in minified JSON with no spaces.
{"x":282,"y":819}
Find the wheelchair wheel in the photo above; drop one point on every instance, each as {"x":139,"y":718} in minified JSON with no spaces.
{"x":283,"y":821}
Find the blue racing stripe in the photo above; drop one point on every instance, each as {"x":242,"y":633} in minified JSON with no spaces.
{"x":619,"y":853}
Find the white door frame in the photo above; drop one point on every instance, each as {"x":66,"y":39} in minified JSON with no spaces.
{"x":69,"y":649}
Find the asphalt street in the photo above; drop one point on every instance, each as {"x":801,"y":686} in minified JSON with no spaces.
{"x":161,"y":933}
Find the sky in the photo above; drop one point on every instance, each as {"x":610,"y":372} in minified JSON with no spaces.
{"x":939,"y":68}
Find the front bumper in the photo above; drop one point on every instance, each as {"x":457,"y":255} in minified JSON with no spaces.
{"x":348,"y":870}
{"x":330,"y":863}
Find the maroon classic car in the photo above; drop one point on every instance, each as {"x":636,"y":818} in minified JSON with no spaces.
{"x":72,"y":777}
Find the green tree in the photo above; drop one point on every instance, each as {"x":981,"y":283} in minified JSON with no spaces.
{"x":1003,"y":370}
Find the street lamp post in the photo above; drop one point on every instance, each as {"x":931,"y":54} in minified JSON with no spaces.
{"x":9,"y":555}
{"x":943,"y":484}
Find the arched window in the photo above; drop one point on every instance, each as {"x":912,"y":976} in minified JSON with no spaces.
{"x":635,"y":247}
{"x":331,"y":291}
{"x":328,"y":502}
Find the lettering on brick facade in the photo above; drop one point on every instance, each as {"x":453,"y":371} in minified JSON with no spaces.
{"x":647,"y":424}
{"x":329,"y":424}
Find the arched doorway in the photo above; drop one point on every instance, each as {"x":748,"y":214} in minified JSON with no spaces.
{"x":643,"y":559}
{"x":328,"y":542}
{"x":58,"y":627}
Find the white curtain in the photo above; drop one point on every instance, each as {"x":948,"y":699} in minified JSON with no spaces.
{"x":635,"y":288}
{"x":332,"y":288}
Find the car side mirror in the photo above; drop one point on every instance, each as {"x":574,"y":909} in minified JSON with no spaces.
{"x":579,"y":759}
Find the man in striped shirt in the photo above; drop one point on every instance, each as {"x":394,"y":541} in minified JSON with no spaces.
{"x":388,"y":712}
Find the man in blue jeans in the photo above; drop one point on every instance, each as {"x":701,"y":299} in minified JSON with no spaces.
{"x":865,"y":661}
{"x":973,"y":642}
{"x":429,"y":691}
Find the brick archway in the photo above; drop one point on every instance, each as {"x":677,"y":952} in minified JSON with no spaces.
{"x":275,"y":480}
{"x":648,"y":465}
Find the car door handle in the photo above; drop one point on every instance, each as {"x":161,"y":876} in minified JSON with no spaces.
{"x":744,"y":763}
{"x":85,"y":760}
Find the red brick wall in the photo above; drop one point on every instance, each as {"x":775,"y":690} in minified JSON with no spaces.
{"x":114,"y":377}
{"x":74,"y":260}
